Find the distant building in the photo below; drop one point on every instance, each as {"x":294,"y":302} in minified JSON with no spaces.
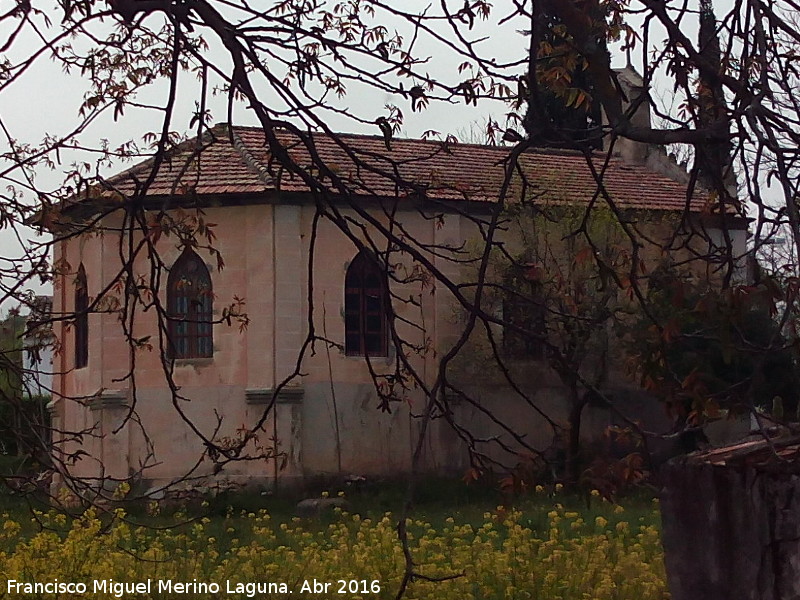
{"x":325,"y":420}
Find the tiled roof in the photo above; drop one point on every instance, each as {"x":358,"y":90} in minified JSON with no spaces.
{"x":430,"y":168}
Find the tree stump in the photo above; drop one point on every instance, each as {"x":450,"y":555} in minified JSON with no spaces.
{"x":731,"y":522}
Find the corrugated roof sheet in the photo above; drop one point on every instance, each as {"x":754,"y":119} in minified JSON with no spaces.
{"x":780,"y":453}
{"x":364,"y":167}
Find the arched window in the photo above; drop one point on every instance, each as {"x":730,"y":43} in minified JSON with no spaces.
{"x":365,"y":307}
{"x":81,"y":319}
{"x":190,"y":300}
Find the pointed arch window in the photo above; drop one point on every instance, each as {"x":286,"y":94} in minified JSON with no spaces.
{"x":190,"y":304}
{"x":81,"y":319}
{"x":365,"y":307}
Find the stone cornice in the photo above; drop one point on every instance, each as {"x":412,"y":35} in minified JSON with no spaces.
{"x":109,"y":399}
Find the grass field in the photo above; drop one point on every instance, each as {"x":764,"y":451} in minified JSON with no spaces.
{"x":548,"y":545}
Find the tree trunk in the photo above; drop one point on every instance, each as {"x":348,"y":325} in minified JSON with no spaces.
{"x":574,"y":441}
{"x":731,"y":522}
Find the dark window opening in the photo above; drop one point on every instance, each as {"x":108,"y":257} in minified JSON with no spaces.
{"x":365,"y":308}
{"x":81,"y":319}
{"x":190,"y":303}
{"x":524,"y":315}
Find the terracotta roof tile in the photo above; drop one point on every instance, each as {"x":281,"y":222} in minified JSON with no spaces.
{"x":441,"y":172}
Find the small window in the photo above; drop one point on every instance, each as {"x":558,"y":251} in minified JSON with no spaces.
{"x":81,"y":319}
{"x":190,"y":299}
{"x":365,"y":307}
{"x":524,"y":309}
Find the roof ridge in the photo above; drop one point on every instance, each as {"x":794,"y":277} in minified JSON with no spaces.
{"x":251,"y":161}
{"x":417,"y":140}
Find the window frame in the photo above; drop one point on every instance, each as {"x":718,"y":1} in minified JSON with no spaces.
{"x":365,"y":297}
{"x":81,"y":309}
{"x":524,"y":307}
{"x":190,"y":310}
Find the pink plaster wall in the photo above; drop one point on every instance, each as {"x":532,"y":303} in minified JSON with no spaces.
{"x":266,"y":253}
{"x":266,"y":250}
